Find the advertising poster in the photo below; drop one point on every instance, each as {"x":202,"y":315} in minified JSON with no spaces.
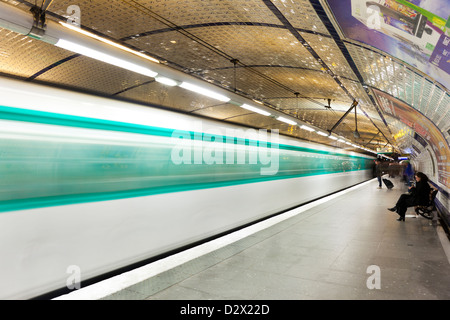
{"x":416,"y":32}
{"x":425,"y":129}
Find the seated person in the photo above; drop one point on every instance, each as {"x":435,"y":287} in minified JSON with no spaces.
{"x":418,"y":195}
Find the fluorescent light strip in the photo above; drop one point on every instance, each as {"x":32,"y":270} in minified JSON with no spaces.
{"x":321,"y":133}
{"x":332,"y":137}
{"x":166,"y":81}
{"x":203,"y":91}
{"x":307,"y":128}
{"x":91,"y":35}
{"x":71,"y":46}
{"x":287,"y":121}
{"x":248,"y":107}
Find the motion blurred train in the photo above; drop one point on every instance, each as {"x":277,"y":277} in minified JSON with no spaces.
{"x":101,"y":184}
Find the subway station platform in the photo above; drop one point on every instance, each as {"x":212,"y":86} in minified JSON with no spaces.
{"x":346,"y":246}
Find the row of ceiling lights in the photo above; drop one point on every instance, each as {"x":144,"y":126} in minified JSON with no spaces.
{"x":95,"y":54}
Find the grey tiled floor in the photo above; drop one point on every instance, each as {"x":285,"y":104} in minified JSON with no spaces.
{"x":322,"y":253}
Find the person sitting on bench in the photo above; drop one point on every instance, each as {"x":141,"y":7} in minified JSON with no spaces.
{"x":418,"y":195}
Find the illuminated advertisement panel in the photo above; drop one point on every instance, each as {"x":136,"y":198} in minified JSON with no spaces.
{"x":424,"y":128}
{"x":416,"y":32}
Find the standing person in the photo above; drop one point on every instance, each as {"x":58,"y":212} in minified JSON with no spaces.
{"x":409,"y":174}
{"x":419,"y":195}
{"x":378,"y":172}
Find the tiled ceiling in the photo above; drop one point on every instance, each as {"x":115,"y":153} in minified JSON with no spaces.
{"x":286,"y":53}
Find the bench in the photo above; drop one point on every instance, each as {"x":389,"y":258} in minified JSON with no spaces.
{"x":426,"y":211}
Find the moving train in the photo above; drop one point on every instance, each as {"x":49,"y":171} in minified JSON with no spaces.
{"x":98,"y":184}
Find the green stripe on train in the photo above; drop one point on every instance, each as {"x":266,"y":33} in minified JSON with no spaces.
{"x":19,"y":114}
{"x":41,"y":171}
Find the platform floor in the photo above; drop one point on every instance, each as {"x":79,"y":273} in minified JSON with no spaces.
{"x":348,"y":247}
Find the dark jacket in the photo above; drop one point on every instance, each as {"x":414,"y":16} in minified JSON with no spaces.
{"x":378,"y":170}
{"x":421,"y":193}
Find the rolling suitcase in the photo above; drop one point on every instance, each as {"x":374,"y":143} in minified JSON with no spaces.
{"x":388,"y":183}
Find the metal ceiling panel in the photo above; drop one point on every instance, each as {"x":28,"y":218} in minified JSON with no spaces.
{"x":23,"y":56}
{"x":301,"y":15}
{"x":442,"y":115}
{"x":329,"y":52}
{"x":401,"y":82}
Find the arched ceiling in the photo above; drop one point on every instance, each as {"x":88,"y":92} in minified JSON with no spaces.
{"x":289,"y":54}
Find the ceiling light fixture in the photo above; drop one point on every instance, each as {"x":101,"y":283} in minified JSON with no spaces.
{"x":204,"y":91}
{"x":287,"y":121}
{"x":248,"y":107}
{"x":307,"y":128}
{"x":166,"y":81}
{"x":95,"y":54}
